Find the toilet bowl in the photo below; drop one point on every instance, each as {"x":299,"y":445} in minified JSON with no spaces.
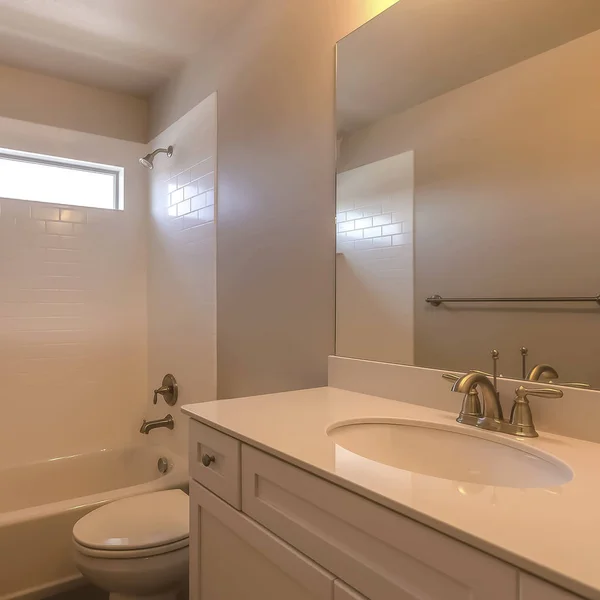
{"x":136,"y":547}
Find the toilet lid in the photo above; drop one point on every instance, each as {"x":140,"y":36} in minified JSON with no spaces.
{"x":138,"y":522}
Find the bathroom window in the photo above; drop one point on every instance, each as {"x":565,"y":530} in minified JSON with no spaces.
{"x":39,"y":178}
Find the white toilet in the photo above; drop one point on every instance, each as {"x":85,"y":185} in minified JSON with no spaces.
{"x":136,"y":547}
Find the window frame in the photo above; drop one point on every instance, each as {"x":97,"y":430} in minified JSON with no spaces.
{"x":66,"y":163}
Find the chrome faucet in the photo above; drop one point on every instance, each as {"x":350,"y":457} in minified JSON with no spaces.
{"x":148,"y":426}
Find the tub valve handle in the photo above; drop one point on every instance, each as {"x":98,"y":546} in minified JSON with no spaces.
{"x":168,"y":390}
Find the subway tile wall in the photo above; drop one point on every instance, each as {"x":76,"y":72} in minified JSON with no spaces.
{"x":182,"y":268}
{"x":72,"y":327}
{"x":374,"y":261}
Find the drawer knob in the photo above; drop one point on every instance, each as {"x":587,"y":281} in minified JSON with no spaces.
{"x":207,"y":459}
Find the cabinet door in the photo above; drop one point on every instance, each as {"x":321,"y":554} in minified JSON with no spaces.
{"x":378,"y":552}
{"x":231,"y":556}
{"x":343,"y":592}
{"x":532,"y":588}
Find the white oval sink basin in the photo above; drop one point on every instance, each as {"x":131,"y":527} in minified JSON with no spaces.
{"x":450,"y":452}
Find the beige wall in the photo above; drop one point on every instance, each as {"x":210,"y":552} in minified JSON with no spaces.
{"x":36,"y":98}
{"x":276,"y":165}
{"x":506,"y":204}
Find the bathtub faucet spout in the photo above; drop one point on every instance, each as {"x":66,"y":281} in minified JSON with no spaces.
{"x":148,"y":426}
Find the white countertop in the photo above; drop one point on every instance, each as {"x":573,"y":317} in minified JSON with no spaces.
{"x":553,"y":533}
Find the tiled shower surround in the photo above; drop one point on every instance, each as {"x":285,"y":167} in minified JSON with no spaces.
{"x":182,"y":268}
{"x":97,"y":305}
{"x":72,"y":325}
{"x":192,"y":195}
{"x":374,"y":261}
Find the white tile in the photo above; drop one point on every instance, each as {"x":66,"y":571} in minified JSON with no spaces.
{"x":346,"y":226}
{"x":59,"y":228}
{"x":206,"y":183}
{"x":392,"y":229}
{"x":354,"y":214}
{"x":30,"y":225}
{"x":363,"y":223}
{"x":340,"y":217}
{"x":190,"y":190}
{"x":382,"y":220}
{"x":177,"y":196}
{"x":207,"y":214}
{"x":184,"y":178}
{"x":45,"y":213}
{"x":73,"y":215}
{"x":382,"y":242}
{"x":372,"y":232}
{"x":345,"y":246}
{"x":370,"y":211}
{"x":202,"y":169}
{"x":402,"y":240}
{"x":354,"y":235}
{"x":198,"y":202}
{"x":191,"y":220}
{"x":363,"y":244}
{"x":183,"y":208}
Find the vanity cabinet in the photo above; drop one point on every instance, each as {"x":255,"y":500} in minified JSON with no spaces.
{"x":342,"y":592}
{"x":231,"y":556}
{"x":261,"y":528}
{"x":532,"y":588}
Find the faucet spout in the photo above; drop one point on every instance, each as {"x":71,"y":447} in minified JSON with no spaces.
{"x":542,"y":370}
{"x":148,"y":426}
{"x":492,"y":410}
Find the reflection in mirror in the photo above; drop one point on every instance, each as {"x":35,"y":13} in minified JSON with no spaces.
{"x":468,"y":144}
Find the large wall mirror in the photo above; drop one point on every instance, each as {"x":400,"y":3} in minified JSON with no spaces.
{"x":469,"y":170}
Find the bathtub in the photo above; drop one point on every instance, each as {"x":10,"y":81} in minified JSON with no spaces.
{"x":40,"y":503}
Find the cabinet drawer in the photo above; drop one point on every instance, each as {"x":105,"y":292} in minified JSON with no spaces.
{"x":532,"y":588}
{"x":378,"y":552}
{"x":222,"y":474}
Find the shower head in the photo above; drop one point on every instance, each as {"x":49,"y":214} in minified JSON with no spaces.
{"x":148,"y":160}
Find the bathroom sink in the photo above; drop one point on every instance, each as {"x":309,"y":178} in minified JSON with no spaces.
{"x":451,"y":452}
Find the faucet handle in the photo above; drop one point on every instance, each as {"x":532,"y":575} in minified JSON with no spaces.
{"x":168,"y":390}
{"x":523,"y":392}
{"x":453,"y":377}
{"x":580,"y":386}
{"x":520,"y":416}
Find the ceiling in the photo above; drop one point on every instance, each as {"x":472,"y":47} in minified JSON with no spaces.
{"x":420,"y":49}
{"x":131,"y":46}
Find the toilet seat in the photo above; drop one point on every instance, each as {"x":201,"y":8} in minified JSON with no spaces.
{"x":139,"y":553}
{"x":135,"y":527}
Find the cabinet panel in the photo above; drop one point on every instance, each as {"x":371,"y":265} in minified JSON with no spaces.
{"x":378,"y":552}
{"x":532,"y":588}
{"x":342,"y":592}
{"x":222,"y":474}
{"x":231,"y":556}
